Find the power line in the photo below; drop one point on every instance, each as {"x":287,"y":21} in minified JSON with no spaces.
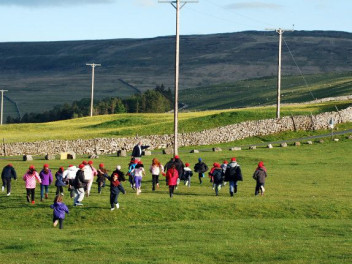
{"x":300,"y":72}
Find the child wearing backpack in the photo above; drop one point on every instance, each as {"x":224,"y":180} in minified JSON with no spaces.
{"x":60,"y":210}
{"x":59,"y":183}
{"x":116,"y":187}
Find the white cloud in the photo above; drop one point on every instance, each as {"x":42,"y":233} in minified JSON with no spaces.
{"x":253,"y":5}
{"x":46,"y":3}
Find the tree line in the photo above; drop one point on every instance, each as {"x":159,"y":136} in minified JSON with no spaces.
{"x":157,"y":100}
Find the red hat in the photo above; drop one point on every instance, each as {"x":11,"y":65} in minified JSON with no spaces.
{"x":62,"y":168}
{"x":70,"y":165}
{"x":32,"y":167}
{"x":46,"y":165}
{"x":90,"y":162}
{"x":233,"y":159}
{"x":214,"y":164}
{"x":10,"y":164}
{"x":140,"y":162}
{"x":225,"y":162}
{"x":217,"y":165}
{"x":260,"y":164}
{"x":81,"y":166}
{"x":187,"y":164}
{"x":177,"y":157}
{"x":84,"y":162}
{"x":101,"y":165}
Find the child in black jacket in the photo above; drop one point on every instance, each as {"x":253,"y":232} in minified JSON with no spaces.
{"x":116,"y":187}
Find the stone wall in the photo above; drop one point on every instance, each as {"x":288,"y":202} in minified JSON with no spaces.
{"x":207,"y":137}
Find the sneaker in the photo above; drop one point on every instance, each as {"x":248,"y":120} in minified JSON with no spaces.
{"x":117,"y":206}
{"x":186,"y":183}
{"x":46,"y":196}
{"x":62,"y":194}
{"x":33,"y":202}
{"x":219,"y":188}
{"x":79,"y":204}
{"x":8,"y":194}
{"x":55,"y":223}
{"x":262,"y":187}
{"x":112,"y":209}
{"x":2,"y":188}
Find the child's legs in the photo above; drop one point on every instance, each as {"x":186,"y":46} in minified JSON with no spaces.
{"x":32,"y":194}
{"x":257,"y":187}
{"x":7,"y":183}
{"x":41,"y":191}
{"x":113,"y":199}
{"x":189,"y":181}
{"x":171,"y":190}
{"x":138,"y":181}
{"x":57,"y":190}
{"x":200,"y":176}
{"x":28,"y":194}
{"x":154,"y":181}
{"x":61,"y":223}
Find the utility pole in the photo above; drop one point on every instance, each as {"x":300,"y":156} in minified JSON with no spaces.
{"x":93,"y":65}
{"x":177,"y":4}
{"x":280,"y":32}
{"x":2,"y":105}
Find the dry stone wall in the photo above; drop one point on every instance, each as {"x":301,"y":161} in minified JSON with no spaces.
{"x":207,"y":137}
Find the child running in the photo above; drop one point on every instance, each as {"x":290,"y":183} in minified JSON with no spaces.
{"x":260,"y":175}
{"x":187,"y":174}
{"x":172,"y":176}
{"x":155,"y":170}
{"x":30,"y":178}
{"x":138,"y":175}
{"x":59,"y":183}
{"x":101,"y":177}
{"x":115,"y":186}
{"x":200,"y":168}
{"x":60,"y":210}
{"x":216,"y":175}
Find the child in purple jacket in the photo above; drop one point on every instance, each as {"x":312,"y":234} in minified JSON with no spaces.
{"x":60,"y":209}
{"x":46,"y":178}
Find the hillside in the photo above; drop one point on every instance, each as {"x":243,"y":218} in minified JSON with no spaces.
{"x":41,"y":75}
{"x":129,"y":125}
{"x":263,"y":91}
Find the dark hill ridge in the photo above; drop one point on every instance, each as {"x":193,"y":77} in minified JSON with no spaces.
{"x":57,"y":72}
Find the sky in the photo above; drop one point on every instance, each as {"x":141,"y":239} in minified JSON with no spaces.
{"x":59,"y":20}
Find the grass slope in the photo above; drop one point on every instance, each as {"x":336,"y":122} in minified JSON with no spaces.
{"x":125,"y":125}
{"x":263,"y":91}
{"x":304,"y":217}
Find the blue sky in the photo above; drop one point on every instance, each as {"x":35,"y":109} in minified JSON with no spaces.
{"x":51,"y":20}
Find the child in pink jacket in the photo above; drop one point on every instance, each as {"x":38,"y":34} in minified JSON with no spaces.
{"x":30,"y":178}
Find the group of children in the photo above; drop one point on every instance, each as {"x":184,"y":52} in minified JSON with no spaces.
{"x":79,"y":180}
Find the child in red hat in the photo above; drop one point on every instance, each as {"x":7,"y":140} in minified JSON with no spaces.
{"x":260,"y":175}
{"x":187,"y":174}
{"x":30,"y":178}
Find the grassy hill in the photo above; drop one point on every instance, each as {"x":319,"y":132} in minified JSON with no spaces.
{"x":304,"y":217}
{"x":44,"y":74}
{"x":127,"y":125}
{"x":263,"y":91}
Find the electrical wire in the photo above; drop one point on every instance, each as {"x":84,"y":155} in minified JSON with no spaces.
{"x":299,"y":69}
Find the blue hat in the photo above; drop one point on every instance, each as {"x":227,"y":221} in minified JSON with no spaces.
{"x":199,"y":159}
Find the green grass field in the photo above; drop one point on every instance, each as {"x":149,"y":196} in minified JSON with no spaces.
{"x":304,"y":217}
{"x":127,"y":125}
